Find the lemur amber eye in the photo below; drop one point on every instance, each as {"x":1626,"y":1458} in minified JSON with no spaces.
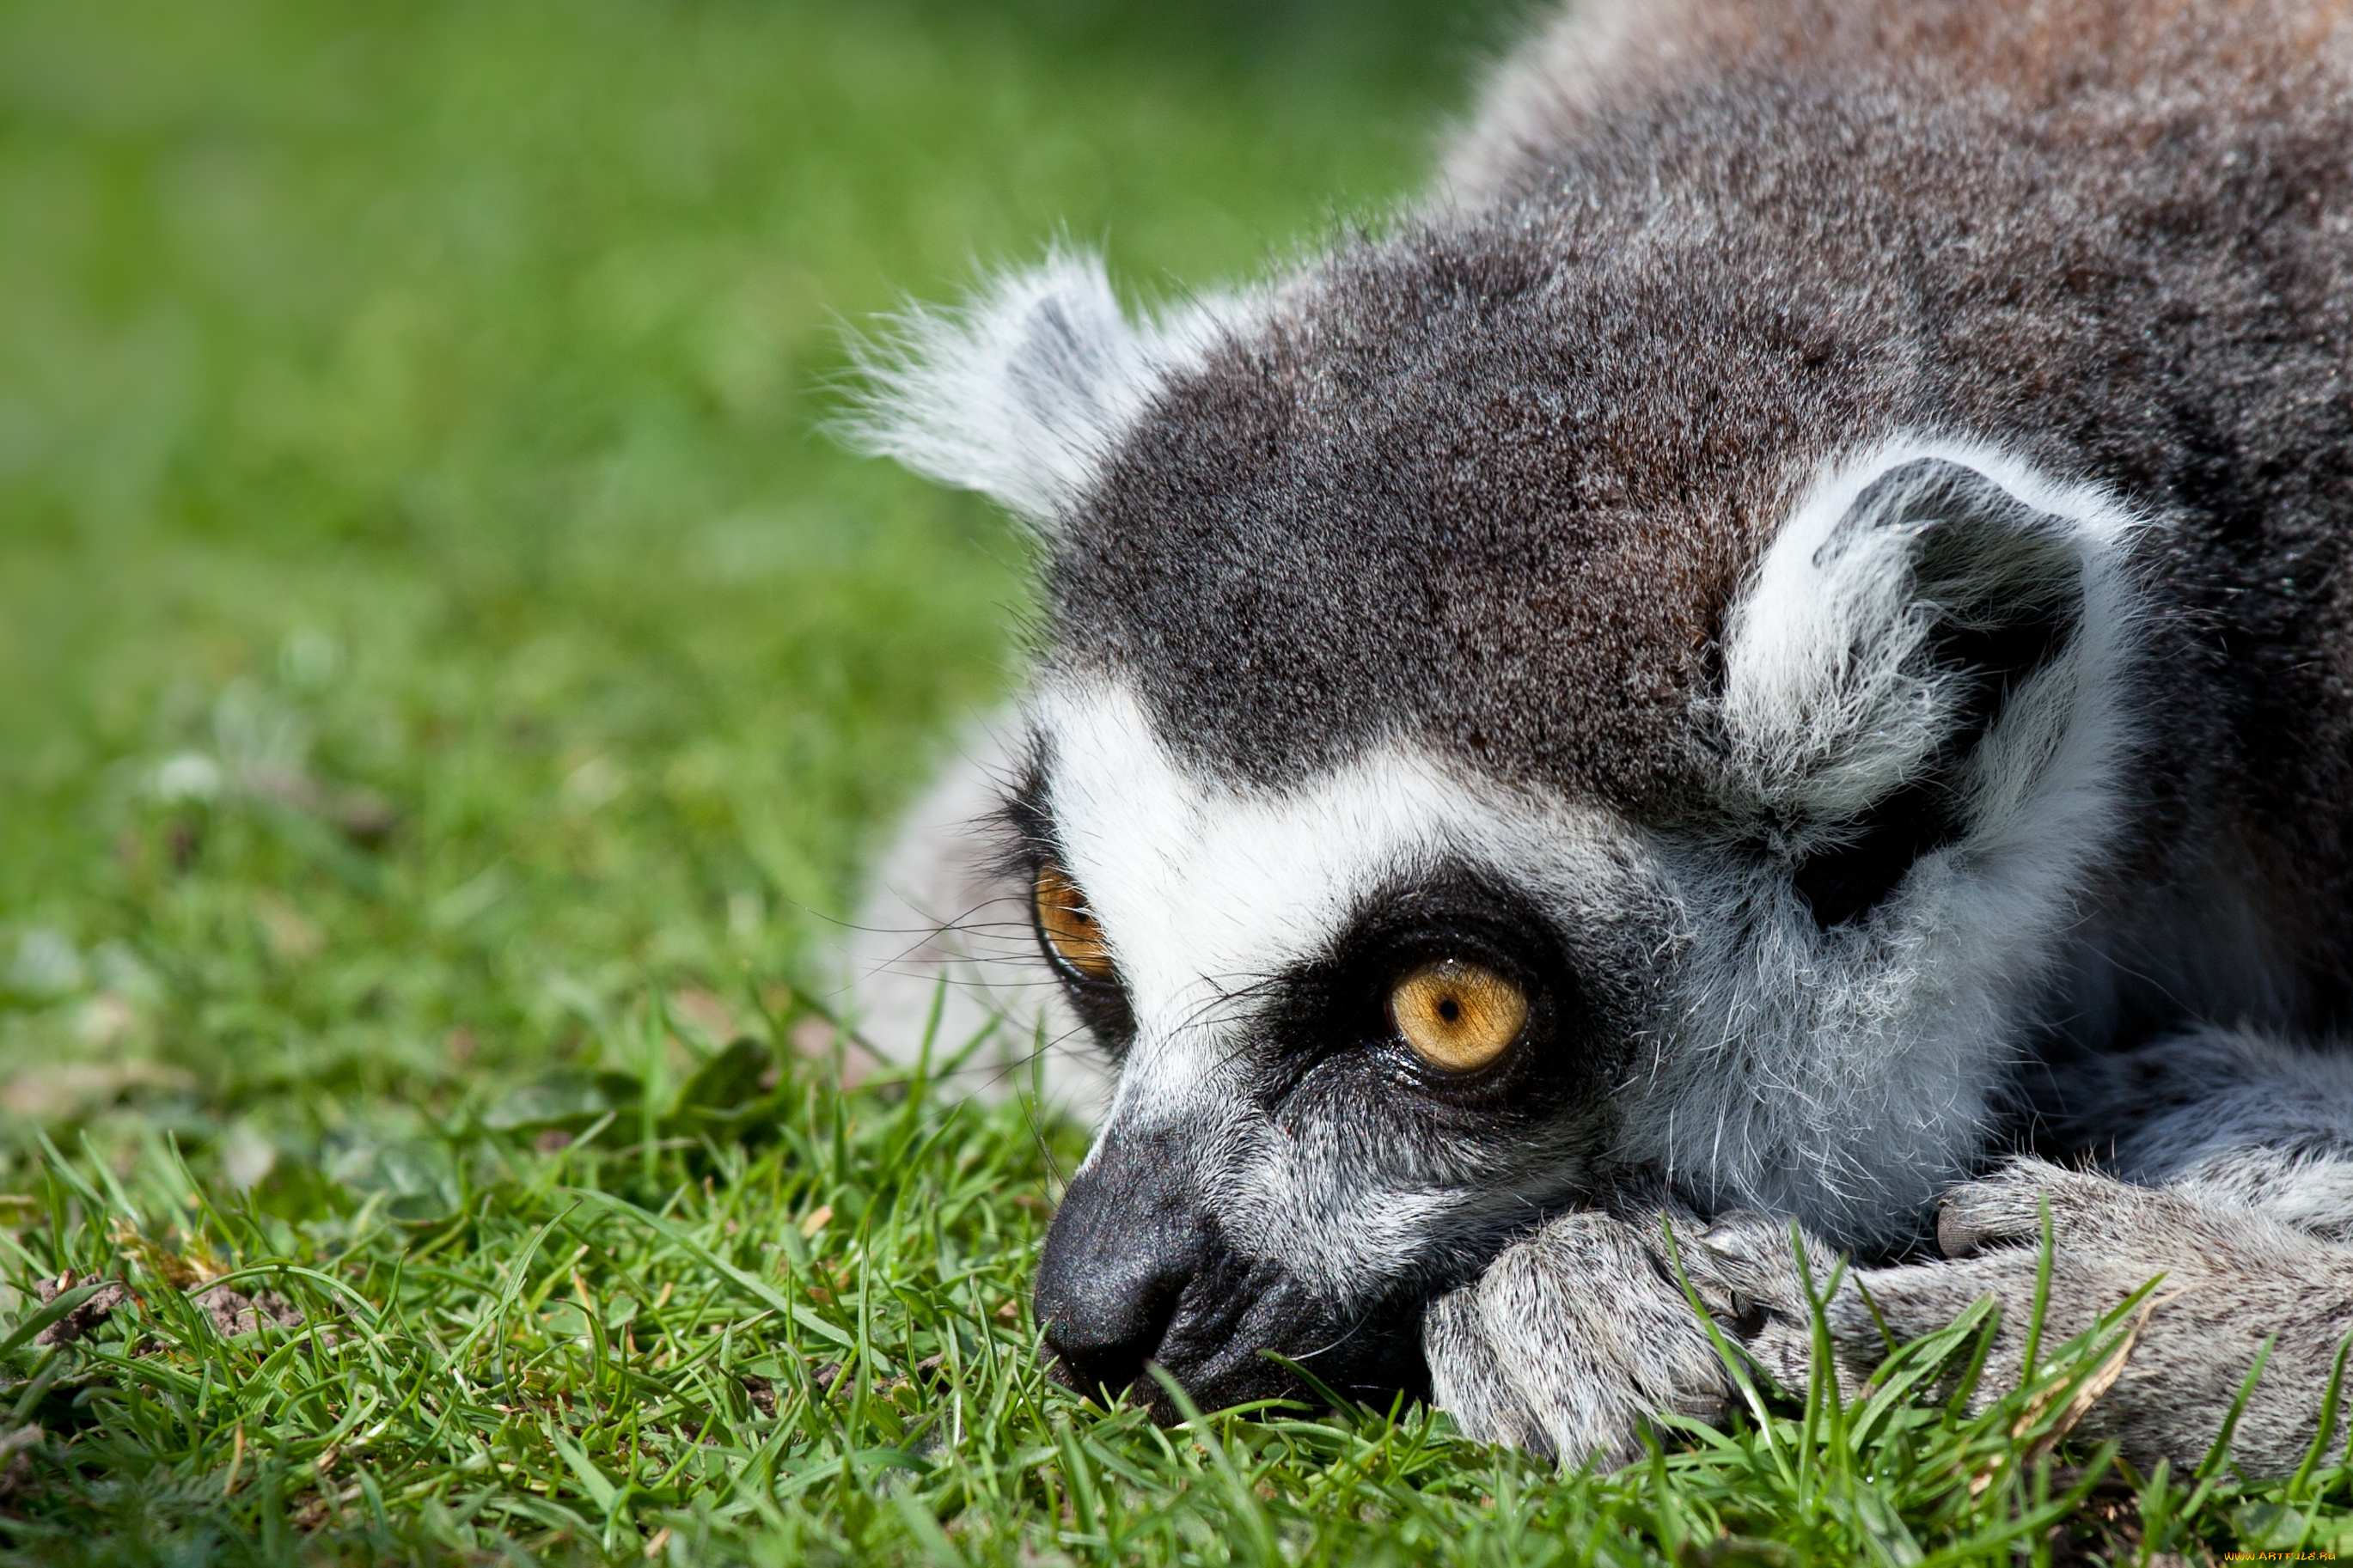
{"x":1458,"y":1016}
{"x":1069,"y":928}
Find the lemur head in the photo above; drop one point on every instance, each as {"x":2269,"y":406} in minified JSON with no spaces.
{"x":1501,"y":739}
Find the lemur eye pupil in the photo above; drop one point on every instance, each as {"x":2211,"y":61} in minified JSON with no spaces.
{"x":1458,"y":1016}
{"x":1069,"y":928}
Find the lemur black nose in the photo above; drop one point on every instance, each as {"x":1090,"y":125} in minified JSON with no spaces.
{"x":1122,"y":1248}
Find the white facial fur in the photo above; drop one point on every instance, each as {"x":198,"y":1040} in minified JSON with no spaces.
{"x":1840,"y":1075}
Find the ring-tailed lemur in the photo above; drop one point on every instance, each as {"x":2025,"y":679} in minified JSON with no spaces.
{"x":1784,"y":641}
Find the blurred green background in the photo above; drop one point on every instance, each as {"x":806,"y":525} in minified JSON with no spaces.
{"x":431,"y":621}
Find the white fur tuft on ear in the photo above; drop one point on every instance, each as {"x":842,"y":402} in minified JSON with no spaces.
{"x":1833,"y":696}
{"x":1022,"y":393}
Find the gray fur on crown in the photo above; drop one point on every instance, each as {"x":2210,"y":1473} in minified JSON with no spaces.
{"x":1491,"y":478}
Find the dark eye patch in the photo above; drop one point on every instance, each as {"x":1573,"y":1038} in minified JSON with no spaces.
{"x":1333,"y":1013}
{"x":1030,"y":854}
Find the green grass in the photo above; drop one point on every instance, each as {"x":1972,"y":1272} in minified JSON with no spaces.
{"x":450,"y":691}
{"x":788,"y":1325}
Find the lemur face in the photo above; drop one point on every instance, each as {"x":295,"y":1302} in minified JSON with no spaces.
{"x":1364,"y":1027}
{"x":1468,"y":783}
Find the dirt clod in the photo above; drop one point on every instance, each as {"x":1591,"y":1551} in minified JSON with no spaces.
{"x":83,"y":1319}
{"x":235,"y":1312}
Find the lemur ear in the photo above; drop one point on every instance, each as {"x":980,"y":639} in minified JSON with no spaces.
{"x":1021,"y":394}
{"x":1905,"y":609}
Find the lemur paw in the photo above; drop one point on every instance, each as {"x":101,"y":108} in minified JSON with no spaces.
{"x":2232,"y":1278}
{"x":2006,"y":1208}
{"x":1570,"y":1340}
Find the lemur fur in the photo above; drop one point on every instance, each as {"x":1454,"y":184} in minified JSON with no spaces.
{"x":1819,"y":556}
